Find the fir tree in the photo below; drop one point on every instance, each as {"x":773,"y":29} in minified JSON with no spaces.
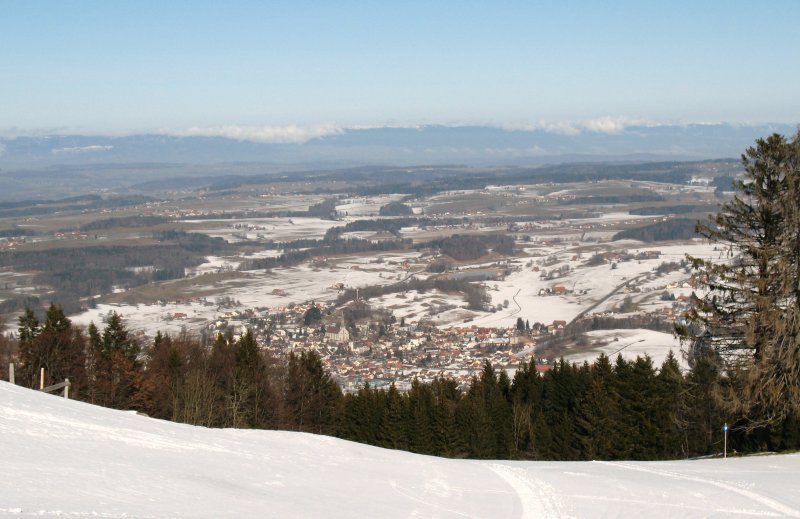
{"x":750,"y":315}
{"x":598,"y":414}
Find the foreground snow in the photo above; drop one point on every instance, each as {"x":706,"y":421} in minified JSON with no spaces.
{"x":62,"y":458}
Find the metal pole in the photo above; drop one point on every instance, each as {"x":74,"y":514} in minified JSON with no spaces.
{"x":66,"y":388}
{"x":41,"y":379}
{"x":725,"y":430}
{"x":11,"y":372}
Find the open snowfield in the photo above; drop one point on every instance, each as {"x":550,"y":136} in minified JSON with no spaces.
{"x":273,"y":289}
{"x":69,"y":459}
{"x":366,"y":206}
{"x":275,"y":229}
{"x":630,"y":344}
{"x":521,"y":288}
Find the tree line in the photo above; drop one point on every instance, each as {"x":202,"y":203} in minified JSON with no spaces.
{"x":675,"y":229}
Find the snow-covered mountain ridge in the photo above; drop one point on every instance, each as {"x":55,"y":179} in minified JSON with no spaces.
{"x":61,"y":458}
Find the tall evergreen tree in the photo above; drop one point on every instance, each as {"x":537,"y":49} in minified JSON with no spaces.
{"x":598,"y":414}
{"x":115,"y":364}
{"x":55,"y":345}
{"x":312,"y":398}
{"x":392,"y":432}
{"x":750,"y":315}
{"x":668,"y":408}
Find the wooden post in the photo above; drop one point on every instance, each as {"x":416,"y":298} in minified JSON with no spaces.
{"x":41,"y":379}
{"x":11,"y":372}
{"x":61,"y":385}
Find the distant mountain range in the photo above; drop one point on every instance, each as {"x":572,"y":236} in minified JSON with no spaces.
{"x":468,"y":145}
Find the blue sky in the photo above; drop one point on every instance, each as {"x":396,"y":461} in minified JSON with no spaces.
{"x":129,"y":66}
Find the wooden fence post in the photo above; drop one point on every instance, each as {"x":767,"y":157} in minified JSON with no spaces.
{"x":61,"y":385}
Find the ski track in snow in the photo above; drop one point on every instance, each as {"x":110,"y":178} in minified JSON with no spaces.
{"x":537,"y":498}
{"x":780,"y":508}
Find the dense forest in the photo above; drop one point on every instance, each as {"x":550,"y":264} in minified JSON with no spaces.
{"x":474,"y":294}
{"x":676,"y":229}
{"x":465,"y":247}
{"x":395,"y":209}
{"x":77,"y":273}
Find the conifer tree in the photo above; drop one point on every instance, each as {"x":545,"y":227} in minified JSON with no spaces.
{"x":161,"y":379}
{"x":311,"y":397}
{"x":55,"y":345}
{"x":392,"y":431}
{"x":598,"y":414}
{"x":115,"y":364}
{"x":668,"y":408}
{"x":472,"y":418}
{"x":750,"y":315}
{"x":420,"y":417}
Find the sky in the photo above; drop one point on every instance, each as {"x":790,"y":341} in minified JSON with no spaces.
{"x":116,"y":67}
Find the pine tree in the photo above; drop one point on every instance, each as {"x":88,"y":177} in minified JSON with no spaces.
{"x":598,"y":414}
{"x":668,"y":408}
{"x":526,"y":393}
{"x":54,"y":345}
{"x":243,"y":398}
{"x":750,"y":316}
{"x":392,"y":432}
{"x":312,"y":398}
{"x":420,"y":416}
{"x":700,"y":415}
{"x":161,"y":379}
{"x":115,"y":365}
{"x":472,"y":418}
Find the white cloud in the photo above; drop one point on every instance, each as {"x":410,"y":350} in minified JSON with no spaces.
{"x":2,"y":149}
{"x":271,"y":134}
{"x":609,"y":125}
{"x":559,"y":127}
{"x":82,"y":149}
{"x":614,"y":124}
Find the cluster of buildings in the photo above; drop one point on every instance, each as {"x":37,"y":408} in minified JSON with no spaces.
{"x":381,"y":352}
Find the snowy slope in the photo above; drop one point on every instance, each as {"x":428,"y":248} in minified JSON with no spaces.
{"x":63,"y":458}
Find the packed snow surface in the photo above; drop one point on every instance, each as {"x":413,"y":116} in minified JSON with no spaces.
{"x":61,"y":458}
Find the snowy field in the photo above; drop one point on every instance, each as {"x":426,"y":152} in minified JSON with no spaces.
{"x":366,"y":206}
{"x":630,"y":344}
{"x":274,"y":229}
{"x":521,"y":288}
{"x":69,"y":459}
{"x":273,"y":289}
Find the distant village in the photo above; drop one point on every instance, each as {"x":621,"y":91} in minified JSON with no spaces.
{"x":379,"y":350}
